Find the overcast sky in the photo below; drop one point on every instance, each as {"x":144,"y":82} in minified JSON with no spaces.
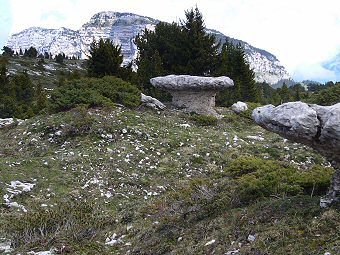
{"x":301,"y":33}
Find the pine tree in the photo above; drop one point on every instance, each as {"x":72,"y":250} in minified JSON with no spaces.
{"x":284,"y":93}
{"x":60,"y":58}
{"x":105,"y":58}
{"x":7,"y":51}
{"x":40,"y":98}
{"x":31,"y":52}
{"x":7,"y":95}
{"x":46,"y":55}
{"x":201,"y":47}
{"x":232,"y":63}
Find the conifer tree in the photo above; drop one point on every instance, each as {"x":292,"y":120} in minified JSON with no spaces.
{"x":201,"y":47}
{"x":284,"y":93}
{"x":231,"y":62}
{"x":105,"y":58}
{"x":40,"y":98}
{"x":31,"y":52}
{"x":7,"y":51}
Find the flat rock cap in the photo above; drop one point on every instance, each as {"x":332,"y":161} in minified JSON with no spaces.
{"x":188,"y":82}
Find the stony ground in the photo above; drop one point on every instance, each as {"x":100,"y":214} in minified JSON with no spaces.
{"x":119,"y":181}
{"x":48,"y":73}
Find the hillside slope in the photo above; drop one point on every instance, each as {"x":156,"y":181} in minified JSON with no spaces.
{"x":119,"y":181}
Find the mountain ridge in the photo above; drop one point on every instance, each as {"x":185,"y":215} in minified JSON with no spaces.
{"x":122,"y":28}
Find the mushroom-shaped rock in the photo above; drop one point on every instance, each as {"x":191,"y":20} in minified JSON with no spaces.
{"x":193,"y":93}
{"x":313,"y":125}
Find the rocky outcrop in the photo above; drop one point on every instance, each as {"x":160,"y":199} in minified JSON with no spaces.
{"x":193,"y":93}
{"x":239,"y":107}
{"x":314,"y":125}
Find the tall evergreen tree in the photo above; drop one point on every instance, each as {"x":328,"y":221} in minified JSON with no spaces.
{"x":31,"y":52}
{"x":284,"y":93}
{"x":201,"y":47}
{"x":232,"y":62}
{"x":184,"y":48}
{"x":105,"y":58}
{"x":7,"y":51}
{"x":60,"y":58}
{"x":40,"y":98}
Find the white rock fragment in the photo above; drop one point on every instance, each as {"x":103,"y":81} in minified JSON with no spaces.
{"x":210,"y":242}
{"x":251,"y":238}
{"x":113,"y":240}
{"x":257,"y":138}
{"x":152,"y":102}
{"x":232,"y":252}
{"x":5,"y":246}
{"x":184,"y":125}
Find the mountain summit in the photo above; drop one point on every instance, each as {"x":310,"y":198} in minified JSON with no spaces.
{"x":122,"y":28}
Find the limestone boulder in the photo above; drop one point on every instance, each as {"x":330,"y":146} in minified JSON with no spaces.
{"x":313,"y":125}
{"x":239,"y":107}
{"x":152,"y":102}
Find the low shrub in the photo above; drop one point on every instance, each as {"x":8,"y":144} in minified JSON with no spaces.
{"x":204,"y":120}
{"x":94,"y":92}
{"x":258,"y":178}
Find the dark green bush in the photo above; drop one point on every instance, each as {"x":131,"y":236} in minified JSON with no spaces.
{"x":257,"y":178}
{"x":94,"y":92}
{"x":204,"y":120}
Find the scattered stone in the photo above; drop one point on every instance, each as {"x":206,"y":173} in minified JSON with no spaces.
{"x":5,"y":246}
{"x":257,"y":138}
{"x":210,"y":242}
{"x":232,"y":252}
{"x":313,"y":125}
{"x":114,"y":239}
{"x":152,"y":102}
{"x":251,"y":238}
{"x":193,"y":93}
{"x":14,"y":189}
{"x":9,"y":121}
{"x":239,"y":107}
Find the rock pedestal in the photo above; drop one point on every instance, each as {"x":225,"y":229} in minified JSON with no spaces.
{"x":313,"y":125}
{"x":193,"y":93}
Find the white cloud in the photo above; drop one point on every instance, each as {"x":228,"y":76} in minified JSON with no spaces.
{"x":313,"y":72}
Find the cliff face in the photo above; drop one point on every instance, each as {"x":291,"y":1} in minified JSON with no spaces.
{"x":122,"y":28}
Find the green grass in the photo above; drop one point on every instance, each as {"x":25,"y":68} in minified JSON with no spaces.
{"x":162,"y":181}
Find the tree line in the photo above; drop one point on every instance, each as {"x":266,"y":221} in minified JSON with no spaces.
{"x":32,"y":52}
